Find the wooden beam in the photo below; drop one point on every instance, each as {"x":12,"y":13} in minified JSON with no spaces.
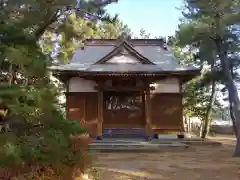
{"x":180,"y":86}
{"x":100,"y":115}
{"x":120,"y":88}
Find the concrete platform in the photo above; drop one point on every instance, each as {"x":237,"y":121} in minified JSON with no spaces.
{"x":137,"y":145}
{"x":140,"y":145}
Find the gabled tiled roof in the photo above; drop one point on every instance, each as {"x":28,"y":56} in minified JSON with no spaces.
{"x":155,"y":56}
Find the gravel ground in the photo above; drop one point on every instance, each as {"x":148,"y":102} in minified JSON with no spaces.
{"x":195,"y":163}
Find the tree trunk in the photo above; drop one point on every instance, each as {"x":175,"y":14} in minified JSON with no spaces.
{"x":231,"y":109}
{"x":207,"y":120}
{"x":232,"y":92}
{"x":232,"y":117}
{"x":206,"y":125}
{"x":189,"y":124}
{"x":237,"y":148}
{"x":12,"y":73}
{"x":200,"y":129}
{"x":186,"y":124}
{"x":234,"y":101}
{"x":43,"y":27}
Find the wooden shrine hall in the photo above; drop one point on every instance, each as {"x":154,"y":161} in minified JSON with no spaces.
{"x":125,"y":83}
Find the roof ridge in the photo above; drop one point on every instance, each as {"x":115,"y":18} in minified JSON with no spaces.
{"x":134,"y":42}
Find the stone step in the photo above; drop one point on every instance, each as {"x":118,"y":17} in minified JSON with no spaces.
{"x":136,"y":147}
{"x":131,"y":141}
{"x":194,"y":141}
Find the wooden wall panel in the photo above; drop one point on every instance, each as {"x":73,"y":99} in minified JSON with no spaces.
{"x":82,"y":106}
{"x":75,"y":106}
{"x":91,"y":105}
{"x":167,"y":111}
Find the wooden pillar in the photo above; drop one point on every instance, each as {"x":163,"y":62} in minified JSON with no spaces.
{"x":148,"y":127}
{"x":100,"y":114}
{"x":181,"y":91}
{"x":143,"y":105}
{"x":66,"y":96}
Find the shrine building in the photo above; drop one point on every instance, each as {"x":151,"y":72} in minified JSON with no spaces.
{"x":125,"y":83}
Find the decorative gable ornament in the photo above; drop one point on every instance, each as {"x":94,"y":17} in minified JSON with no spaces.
{"x":123,"y":49}
{"x":123,"y":52}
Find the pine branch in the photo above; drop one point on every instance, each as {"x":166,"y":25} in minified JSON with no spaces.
{"x":40,"y":31}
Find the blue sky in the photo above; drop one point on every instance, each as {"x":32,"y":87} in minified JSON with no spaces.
{"x":158,"y":17}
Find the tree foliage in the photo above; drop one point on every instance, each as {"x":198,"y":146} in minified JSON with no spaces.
{"x":75,"y":30}
{"x":198,"y":93}
{"x":212,"y":27}
{"x":39,"y":131}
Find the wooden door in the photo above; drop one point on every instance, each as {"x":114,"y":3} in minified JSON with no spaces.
{"x":123,"y":110}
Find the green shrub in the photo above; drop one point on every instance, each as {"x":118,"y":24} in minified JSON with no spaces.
{"x":46,"y":144}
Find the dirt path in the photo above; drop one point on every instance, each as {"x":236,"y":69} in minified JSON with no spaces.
{"x":197,"y":163}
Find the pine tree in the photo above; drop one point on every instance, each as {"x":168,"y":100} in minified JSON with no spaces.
{"x":37,"y":124}
{"x":214,"y":25}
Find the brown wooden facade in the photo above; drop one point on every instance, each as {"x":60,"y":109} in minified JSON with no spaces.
{"x":152,"y":111}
